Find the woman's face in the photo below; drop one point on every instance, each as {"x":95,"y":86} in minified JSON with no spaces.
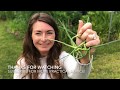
{"x":40,"y":34}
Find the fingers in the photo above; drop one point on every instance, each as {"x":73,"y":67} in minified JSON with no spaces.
{"x":90,"y":37}
{"x":93,"y":42}
{"x":82,"y":28}
{"x":80,"y":25}
{"x":87,"y":34}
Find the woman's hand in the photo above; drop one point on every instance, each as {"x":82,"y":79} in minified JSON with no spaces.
{"x":85,"y":33}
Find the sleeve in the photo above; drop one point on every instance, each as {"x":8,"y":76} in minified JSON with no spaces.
{"x":75,"y":69}
{"x":20,"y":71}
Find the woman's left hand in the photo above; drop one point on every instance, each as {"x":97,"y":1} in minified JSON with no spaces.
{"x":85,"y":33}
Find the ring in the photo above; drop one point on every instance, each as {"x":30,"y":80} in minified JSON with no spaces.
{"x":93,"y":36}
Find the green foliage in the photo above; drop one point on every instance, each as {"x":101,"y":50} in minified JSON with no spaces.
{"x":101,"y":24}
{"x":99,"y":19}
{"x":18,"y":25}
{"x":4,"y":15}
{"x":10,"y":49}
{"x":115,"y":30}
{"x":70,"y":19}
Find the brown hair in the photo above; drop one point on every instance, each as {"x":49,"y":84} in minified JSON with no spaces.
{"x":32,"y":55}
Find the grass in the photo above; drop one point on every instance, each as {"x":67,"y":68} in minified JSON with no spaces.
{"x":106,"y":61}
{"x":10,"y":49}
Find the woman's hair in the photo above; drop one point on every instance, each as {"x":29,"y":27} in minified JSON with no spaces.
{"x":32,"y":55}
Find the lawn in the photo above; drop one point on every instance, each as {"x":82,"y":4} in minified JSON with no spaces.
{"x":10,"y":49}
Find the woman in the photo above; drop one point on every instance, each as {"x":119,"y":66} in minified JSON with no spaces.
{"x":43,"y":58}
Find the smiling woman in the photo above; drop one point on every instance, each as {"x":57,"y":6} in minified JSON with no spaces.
{"x":42,"y":31}
{"x":41,"y":50}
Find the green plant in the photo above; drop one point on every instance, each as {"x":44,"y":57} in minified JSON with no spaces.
{"x":78,"y":51}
